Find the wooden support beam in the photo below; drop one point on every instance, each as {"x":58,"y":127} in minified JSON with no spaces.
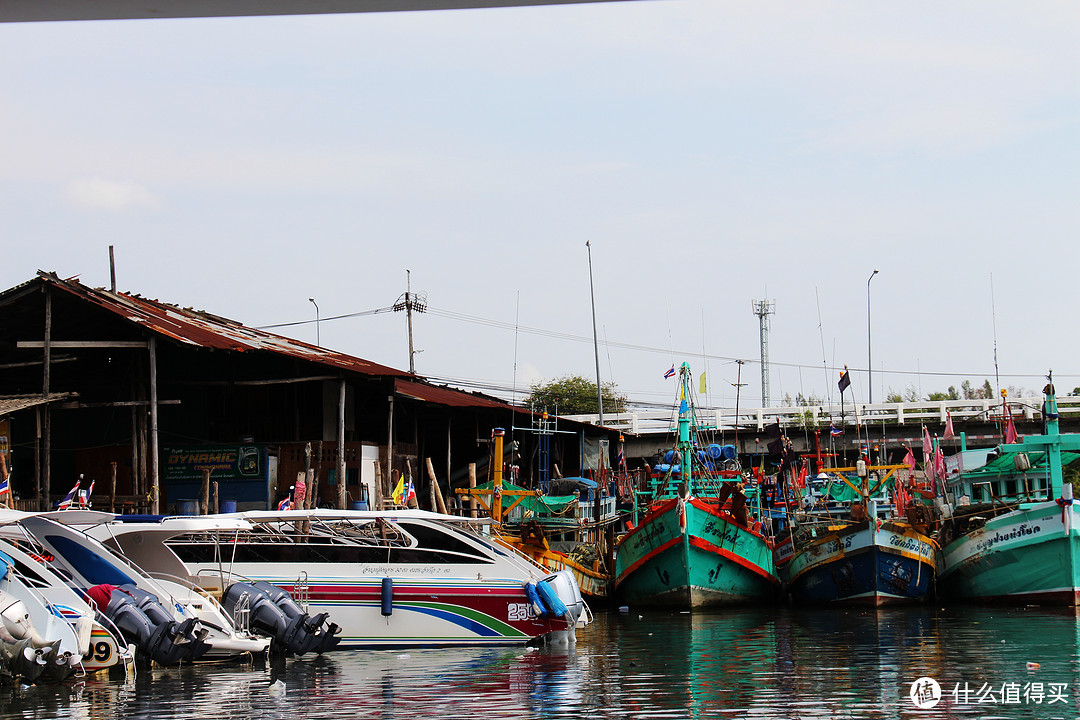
{"x":84,"y":344}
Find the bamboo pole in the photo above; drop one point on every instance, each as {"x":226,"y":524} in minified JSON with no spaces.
{"x":380,"y":488}
{"x":155,"y":480}
{"x":112,"y":487}
{"x":342,"y":492}
{"x":440,"y":503}
{"x":204,"y":494}
{"x":217,"y":502}
{"x":472,"y":486}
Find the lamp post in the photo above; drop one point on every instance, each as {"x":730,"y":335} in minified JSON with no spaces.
{"x":869,"y":352}
{"x":318,"y":338}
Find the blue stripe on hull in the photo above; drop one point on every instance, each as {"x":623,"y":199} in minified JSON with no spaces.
{"x":870,"y":576}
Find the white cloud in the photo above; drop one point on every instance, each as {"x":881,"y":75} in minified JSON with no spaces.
{"x":100,"y":194}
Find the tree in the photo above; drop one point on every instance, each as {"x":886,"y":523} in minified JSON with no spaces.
{"x":894,"y":397}
{"x":575,"y":395}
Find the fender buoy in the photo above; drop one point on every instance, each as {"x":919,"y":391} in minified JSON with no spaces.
{"x":387,"y":596}
{"x":534,"y":599}
{"x":554,"y":605}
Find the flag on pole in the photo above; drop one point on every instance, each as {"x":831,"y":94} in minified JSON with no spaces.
{"x":701,"y":384}
{"x":670,"y":373}
{"x":5,"y":489}
{"x":927,"y":447}
{"x":949,"y":432}
{"x":285,"y":504}
{"x":845,"y":381}
{"x":909,"y":459}
{"x":1010,"y":432}
{"x":835,"y":431}
{"x":66,"y":502}
{"x":410,"y":492}
{"x":939,"y":465}
{"x":399,"y":491}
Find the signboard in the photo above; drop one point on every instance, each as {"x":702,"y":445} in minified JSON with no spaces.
{"x":225,"y":462}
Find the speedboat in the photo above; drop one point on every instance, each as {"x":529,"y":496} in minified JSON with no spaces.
{"x":387,"y":578}
{"x":168,"y":620}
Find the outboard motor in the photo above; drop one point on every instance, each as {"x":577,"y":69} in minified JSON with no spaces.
{"x":22,"y":659}
{"x":273,"y":612}
{"x":140,"y":616}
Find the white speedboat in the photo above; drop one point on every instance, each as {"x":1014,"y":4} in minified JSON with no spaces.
{"x":170,"y":620}
{"x":47,"y":627}
{"x":406,"y":578}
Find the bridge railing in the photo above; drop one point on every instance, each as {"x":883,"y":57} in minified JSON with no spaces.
{"x":649,"y":422}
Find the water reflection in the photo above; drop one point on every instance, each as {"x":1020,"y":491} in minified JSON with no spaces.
{"x":764,"y":663}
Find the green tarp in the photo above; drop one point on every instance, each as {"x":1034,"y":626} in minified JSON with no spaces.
{"x":543,"y":505}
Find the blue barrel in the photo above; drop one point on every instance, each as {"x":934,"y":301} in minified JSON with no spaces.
{"x":669,"y":456}
{"x":228,"y":506}
{"x":358,"y":505}
{"x":714,"y":451}
{"x":728,"y":452}
{"x":187,"y":507}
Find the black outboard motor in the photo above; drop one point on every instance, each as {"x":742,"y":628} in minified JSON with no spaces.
{"x":273,"y":612}
{"x":139,"y":615}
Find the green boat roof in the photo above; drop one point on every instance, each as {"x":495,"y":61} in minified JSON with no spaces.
{"x":1005,"y":464}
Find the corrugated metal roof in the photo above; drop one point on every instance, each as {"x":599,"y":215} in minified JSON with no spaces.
{"x":448,"y":396}
{"x":202,"y":329}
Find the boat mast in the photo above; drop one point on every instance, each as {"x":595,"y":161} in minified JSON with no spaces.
{"x":596,"y":344}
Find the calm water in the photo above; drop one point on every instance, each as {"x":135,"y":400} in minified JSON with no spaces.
{"x":775,"y":663}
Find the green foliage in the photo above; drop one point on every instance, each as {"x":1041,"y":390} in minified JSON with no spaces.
{"x":574,"y":395}
{"x":894,"y":397}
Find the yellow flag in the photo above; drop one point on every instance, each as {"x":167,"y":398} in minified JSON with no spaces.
{"x":702,"y":390}
{"x":399,"y":491}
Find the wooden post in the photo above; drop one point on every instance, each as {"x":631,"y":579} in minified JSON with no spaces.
{"x":155,"y":488}
{"x":46,"y":484}
{"x":472,"y":486}
{"x":37,"y":461}
{"x":342,"y":492}
{"x":380,"y":488}
{"x":112,"y":487}
{"x":390,"y":446}
{"x":497,"y":477}
{"x":204,"y":494}
{"x":436,"y":491}
{"x":216,"y":503}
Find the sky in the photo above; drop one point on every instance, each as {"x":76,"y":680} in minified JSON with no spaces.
{"x":711,"y":153}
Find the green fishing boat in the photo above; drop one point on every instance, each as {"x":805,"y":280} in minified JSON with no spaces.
{"x":1014,"y":534}
{"x":693,"y":543}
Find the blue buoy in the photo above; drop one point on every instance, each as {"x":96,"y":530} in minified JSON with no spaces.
{"x":554,"y":605}
{"x":534,"y":599}
{"x":387,"y":596}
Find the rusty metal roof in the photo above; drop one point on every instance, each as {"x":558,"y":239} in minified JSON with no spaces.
{"x":202,"y":329}
{"x":448,"y":396}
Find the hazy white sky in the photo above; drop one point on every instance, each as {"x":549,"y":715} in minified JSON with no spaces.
{"x":713,"y":153}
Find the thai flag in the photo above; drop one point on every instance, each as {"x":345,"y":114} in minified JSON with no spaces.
{"x":410,"y":492}
{"x":285,"y":504}
{"x":670,"y":373}
{"x":834,"y":431}
{"x":66,"y":502}
{"x":84,"y":495}
{"x":5,"y":487}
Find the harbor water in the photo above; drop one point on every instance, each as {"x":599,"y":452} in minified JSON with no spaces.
{"x":767,"y":663}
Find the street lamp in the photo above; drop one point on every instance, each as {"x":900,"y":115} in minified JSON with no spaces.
{"x":318,"y":338}
{"x":869,"y":353}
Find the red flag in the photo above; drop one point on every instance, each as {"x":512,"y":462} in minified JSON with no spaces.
{"x":800,"y":479}
{"x":1010,"y":432}
{"x":927,"y":447}
{"x":939,"y":466}
{"x":949,"y":432}
{"x":909,"y":459}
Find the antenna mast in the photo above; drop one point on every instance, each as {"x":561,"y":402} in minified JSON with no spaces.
{"x":763,"y":309}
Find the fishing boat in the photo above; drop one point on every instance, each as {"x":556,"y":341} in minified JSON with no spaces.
{"x":388,"y":578}
{"x":693,"y":543}
{"x":563,"y":529}
{"x":859,"y":554}
{"x":1013,"y":535}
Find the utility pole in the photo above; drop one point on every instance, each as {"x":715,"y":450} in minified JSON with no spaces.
{"x":738,"y":390}
{"x":763,"y":309}
{"x":409,"y":303}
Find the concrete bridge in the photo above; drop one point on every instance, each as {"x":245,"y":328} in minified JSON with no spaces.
{"x":888,"y":427}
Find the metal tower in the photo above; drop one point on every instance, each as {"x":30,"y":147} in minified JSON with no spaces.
{"x":763,"y":309}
